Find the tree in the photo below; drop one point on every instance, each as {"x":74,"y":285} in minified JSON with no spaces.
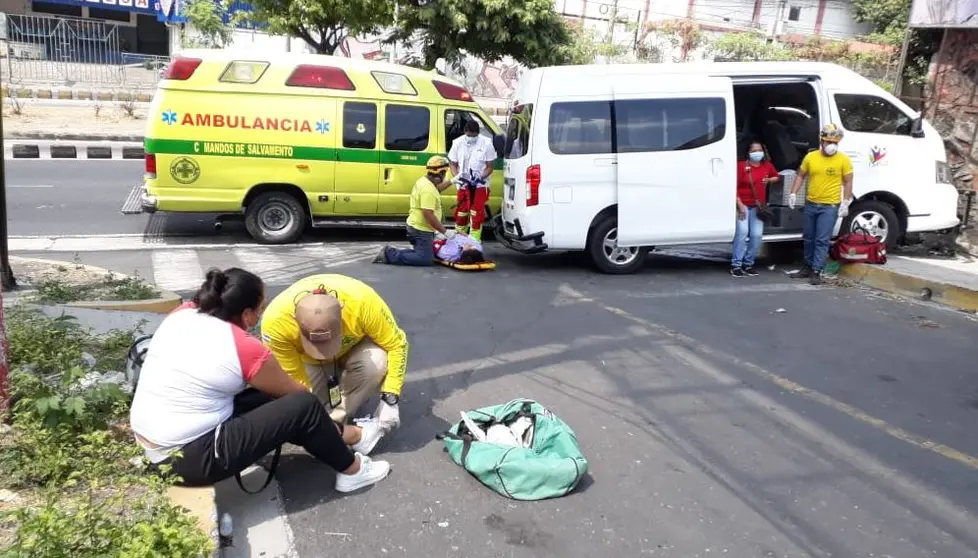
{"x":529,"y":31}
{"x":748,"y":46}
{"x":586,"y":45}
{"x":323,"y":24}
{"x":212,"y":22}
{"x":889,"y":18}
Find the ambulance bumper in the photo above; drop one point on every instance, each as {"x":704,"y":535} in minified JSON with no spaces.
{"x":511,"y":236}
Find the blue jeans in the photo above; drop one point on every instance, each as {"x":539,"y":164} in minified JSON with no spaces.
{"x":421,"y":254}
{"x":744,"y":251}
{"x":818,"y":224}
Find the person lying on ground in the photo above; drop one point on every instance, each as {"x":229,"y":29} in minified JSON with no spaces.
{"x":461,"y":249}
{"x":424,"y":222}
{"x":217,"y":395}
{"x":337,"y":336}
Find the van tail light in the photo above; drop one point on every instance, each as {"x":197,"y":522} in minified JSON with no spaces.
{"x":533,"y":186}
{"x":321,"y":77}
{"x":181,"y":68}
{"x":151,"y":166}
{"x":451,"y":92}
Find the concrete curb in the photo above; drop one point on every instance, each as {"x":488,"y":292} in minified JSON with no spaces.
{"x":201,"y":503}
{"x":883,"y":279}
{"x":122,"y":94}
{"x":74,"y":149}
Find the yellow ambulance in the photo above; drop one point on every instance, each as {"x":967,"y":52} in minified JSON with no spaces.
{"x":288,"y":141}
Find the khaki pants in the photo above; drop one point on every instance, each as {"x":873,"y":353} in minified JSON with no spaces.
{"x":360,"y":372}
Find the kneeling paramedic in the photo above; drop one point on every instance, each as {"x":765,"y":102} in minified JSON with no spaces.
{"x":337,"y":337}
{"x":472,"y":156}
{"x":424,"y":222}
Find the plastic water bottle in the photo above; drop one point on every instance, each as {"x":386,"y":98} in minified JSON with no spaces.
{"x":225,"y":526}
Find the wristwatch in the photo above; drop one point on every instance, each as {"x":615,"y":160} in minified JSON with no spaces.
{"x":389,"y":398}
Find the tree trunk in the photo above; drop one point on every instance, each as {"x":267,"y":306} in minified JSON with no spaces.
{"x":4,"y":366}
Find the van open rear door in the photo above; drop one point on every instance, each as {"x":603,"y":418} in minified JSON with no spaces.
{"x":677,"y":157}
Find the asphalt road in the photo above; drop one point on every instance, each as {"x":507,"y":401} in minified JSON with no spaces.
{"x":736,"y":417}
{"x":83,"y":197}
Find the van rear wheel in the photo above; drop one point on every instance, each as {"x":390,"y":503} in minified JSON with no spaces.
{"x":607,"y":256}
{"x":275,"y":218}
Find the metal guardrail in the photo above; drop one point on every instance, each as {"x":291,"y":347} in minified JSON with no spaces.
{"x":72,"y":52}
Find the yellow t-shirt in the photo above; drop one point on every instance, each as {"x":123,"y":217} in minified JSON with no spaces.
{"x":424,"y":195}
{"x":365,"y":314}
{"x":825,"y":176}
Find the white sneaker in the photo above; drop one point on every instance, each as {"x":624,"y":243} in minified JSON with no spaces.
{"x":370,"y":472}
{"x":370,"y":434}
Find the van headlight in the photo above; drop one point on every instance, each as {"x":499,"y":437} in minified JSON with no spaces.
{"x":943,"y":173}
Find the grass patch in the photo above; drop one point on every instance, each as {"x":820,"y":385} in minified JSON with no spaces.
{"x":54,"y":291}
{"x":82,"y":486}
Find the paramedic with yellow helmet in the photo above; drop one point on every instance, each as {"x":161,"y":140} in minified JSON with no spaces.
{"x":424,"y":220}
{"x":337,"y":337}
{"x":829,"y":194}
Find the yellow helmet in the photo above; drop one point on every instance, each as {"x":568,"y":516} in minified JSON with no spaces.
{"x":437,"y":163}
{"x":831,"y":133}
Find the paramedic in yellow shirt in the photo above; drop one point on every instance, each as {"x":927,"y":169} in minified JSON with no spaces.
{"x":829,"y":174}
{"x":336,"y":336}
{"x":424,"y":220}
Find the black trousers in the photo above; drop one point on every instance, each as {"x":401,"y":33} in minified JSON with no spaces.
{"x":260,"y":424}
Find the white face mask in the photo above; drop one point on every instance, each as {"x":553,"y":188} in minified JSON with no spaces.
{"x":831,"y":148}
{"x":471,"y":139}
{"x":756,"y":156}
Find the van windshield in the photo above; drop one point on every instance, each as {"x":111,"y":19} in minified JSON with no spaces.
{"x":518,"y":132}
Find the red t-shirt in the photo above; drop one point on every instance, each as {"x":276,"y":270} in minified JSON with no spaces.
{"x":744,"y":171}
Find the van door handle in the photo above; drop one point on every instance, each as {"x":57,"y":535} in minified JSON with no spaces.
{"x":717,"y":163}
{"x":605,"y":161}
{"x":387,"y":175}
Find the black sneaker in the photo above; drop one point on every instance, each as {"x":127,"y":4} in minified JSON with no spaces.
{"x":816,"y":278}
{"x":737,"y":272}
{"x":381,"y":256}
{"x":803,"y":273}
{"x":751,"y":272}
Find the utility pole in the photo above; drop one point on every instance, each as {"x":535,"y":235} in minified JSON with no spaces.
{"x":611,"y":22}
{"x":6,"y":274}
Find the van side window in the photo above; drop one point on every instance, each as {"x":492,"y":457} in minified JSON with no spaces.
{"x":359,"y":125}
{"x":580,"y":128}
{"x":871,"y":114}
{"x":518,"y":131}
{"x":645,"y":125}
{"x":406,"y":128}
{"x":455,"y":125}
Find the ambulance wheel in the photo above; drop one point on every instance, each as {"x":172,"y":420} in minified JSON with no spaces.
{"x":605,"y":253}
{"x":875,"y":217}
{"x":275,"y":218}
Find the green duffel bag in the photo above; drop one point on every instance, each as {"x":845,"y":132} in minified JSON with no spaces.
{"x":550,"y":467}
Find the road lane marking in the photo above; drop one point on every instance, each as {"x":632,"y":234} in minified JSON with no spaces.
{"x":177,"y":270}
{"x":30,"y":186}
{"x":141,"y":241}
{"x":789,"y":385}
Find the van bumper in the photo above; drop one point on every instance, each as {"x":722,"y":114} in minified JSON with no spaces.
{"x":517,"y":240}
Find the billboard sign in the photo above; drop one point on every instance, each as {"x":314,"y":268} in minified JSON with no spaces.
{"x":944,"y":13}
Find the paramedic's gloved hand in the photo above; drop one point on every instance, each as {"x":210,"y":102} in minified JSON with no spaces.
{"x":844,"y":208}
{"x":450,"y":234}
{"x":792,"y":200}
{"x":388,"y":415}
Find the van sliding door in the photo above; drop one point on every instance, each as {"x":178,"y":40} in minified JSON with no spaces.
{"x":676,"y":150}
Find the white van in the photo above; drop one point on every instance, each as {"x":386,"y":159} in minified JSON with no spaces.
{"x":617,"y":159}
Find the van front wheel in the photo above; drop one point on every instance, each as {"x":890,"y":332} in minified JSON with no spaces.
{"x":876,"y":218}
{"x":607,"y":256}
{"x":275,"y":218}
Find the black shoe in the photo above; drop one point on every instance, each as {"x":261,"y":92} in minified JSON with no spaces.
{"x":751,"y":272}
{"x":803,"y":273}
{"x":816,"y":279}
{"x":737,"y":272}
{"x":381,"y":257}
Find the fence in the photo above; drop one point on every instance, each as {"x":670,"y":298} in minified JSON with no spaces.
{"x":72,"y":52}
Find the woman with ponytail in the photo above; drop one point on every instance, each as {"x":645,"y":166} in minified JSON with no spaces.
{"x":214,"y":393}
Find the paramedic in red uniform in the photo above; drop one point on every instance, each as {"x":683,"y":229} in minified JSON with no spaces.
{"x":753,"y":176}
{"x":471,"y":157}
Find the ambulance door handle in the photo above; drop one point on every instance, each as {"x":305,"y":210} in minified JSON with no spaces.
{"x":387,"y":175}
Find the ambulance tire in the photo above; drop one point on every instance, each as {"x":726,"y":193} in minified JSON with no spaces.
{"x":269,"y":207}
{"x":616,"y":262}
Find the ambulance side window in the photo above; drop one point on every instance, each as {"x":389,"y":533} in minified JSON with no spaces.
{"x":406,"y":128}
{"x":360,"y":125}
{"x":455,"y":126}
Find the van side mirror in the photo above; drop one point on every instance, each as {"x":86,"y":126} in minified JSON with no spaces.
{"x":917,"y":127}
{"x":499,"y":143}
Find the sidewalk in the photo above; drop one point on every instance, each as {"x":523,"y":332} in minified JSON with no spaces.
{"x":952,"y":282}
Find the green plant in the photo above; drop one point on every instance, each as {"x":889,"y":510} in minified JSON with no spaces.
{"x":54,"y":291}
{"x":747,"y":46}
{"x":131,"y":288}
